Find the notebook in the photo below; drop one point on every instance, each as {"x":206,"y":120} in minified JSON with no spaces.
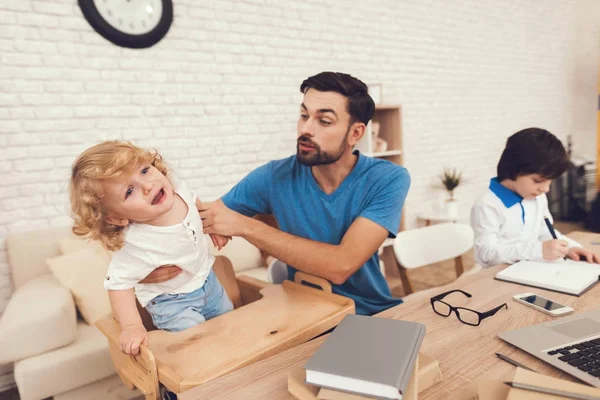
{"x":564,"y":276}
{"x":368,"y":356}
{"x":492,"y":388}
{"x":532,"y":378}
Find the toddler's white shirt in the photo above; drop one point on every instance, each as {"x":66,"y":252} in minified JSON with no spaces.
{"x":147,"y":247}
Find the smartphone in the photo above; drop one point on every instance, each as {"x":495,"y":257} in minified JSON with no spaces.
{"x":543,"y":304}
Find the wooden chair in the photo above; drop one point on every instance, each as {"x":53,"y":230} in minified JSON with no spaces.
{"x":267,"y":319}
{"x":422,"y":246}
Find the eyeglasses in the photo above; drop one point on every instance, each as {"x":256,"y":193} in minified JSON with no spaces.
{"x":464,"y":315}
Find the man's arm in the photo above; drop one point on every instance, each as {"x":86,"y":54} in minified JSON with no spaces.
{"x":335,"y":263}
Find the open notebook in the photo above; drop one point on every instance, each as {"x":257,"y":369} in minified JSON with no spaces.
{"x":565,"y":276}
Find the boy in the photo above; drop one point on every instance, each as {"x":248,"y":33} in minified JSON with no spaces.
{"x":509,"y":219}
{"x":125,"y":197}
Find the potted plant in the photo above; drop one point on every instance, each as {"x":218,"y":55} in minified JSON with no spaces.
{"x":451,"y":179}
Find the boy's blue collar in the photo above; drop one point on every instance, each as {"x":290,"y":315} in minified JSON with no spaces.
{"x":507,"y":196}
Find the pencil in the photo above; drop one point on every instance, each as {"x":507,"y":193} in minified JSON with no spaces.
{"x":513,"y":362}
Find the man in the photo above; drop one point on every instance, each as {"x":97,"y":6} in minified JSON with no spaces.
{"x":335,"y":207}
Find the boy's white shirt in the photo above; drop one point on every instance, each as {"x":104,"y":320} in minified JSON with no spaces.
{"x":147,"y":247}
{"x":501,"y":235}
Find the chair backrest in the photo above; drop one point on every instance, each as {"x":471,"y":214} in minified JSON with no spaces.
{"x":422,"y":246}
{"x":242,"y":254}
{"x":277,"y":272}
{"x":226,"y":276}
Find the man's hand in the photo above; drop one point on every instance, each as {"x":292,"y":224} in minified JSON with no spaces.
{"x":162,"y":274}
{"x":220,"y":220}
{"x":576,"y":253}
{"x":554,"y":249}
{"x":131,"y":337}
{"x":218,"y":241}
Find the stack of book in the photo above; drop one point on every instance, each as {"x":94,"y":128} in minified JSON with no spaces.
{"x":364,"y":358}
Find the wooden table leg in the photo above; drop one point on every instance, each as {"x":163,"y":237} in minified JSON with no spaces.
{"x":406,"y":285}
{"x":458,"y":266}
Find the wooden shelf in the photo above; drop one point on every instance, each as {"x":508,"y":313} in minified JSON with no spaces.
{"x":386,"y":107}
{"x":385,"y":153}
{"x":390,"y":130}
{"x":389,"y":118}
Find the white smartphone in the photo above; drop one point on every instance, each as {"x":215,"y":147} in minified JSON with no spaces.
{"x":543,"y":304}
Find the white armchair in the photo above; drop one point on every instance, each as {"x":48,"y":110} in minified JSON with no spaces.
{"x":33,"y":308}
{"x":55,"y":353}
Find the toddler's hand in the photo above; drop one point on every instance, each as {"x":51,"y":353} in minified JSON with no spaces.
{"x":554,"y":249}
{"x":219,"y":241}
{"x":131,"y":338}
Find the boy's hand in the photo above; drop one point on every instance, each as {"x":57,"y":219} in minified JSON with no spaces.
{"x":554,"y":249}
{"x":578,"y":253}
{"x":219,"y":241}
{"x":131,"y":338}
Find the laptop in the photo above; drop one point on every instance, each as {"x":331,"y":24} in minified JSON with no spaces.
{"x":571,"y":344}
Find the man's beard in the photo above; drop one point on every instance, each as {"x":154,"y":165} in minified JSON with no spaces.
{"x":316,"y":156}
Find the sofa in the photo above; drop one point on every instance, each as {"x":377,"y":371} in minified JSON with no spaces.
{"x":54,"y":350}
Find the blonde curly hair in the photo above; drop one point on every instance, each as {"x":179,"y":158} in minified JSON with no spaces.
{"x":106,"y":161}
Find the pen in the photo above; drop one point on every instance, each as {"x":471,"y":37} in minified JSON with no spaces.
{"x":513,"y":362}
{"x":560,"y":393}
{"x":551,"y":229}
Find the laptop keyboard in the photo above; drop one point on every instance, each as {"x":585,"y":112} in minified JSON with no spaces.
{"x":584,"y":355}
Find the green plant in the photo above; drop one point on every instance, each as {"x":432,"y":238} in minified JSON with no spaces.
{"x":451,"y":179}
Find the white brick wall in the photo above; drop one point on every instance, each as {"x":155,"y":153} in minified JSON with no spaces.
{"x":219,"y":95}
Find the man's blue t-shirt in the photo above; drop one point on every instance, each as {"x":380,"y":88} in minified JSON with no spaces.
{"x":375,"y":189}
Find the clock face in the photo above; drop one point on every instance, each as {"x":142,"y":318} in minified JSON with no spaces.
{"x":134,"y":17}
{"x":129,"y":23}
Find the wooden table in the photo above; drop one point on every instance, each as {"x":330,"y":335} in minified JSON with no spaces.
{"x":465,"y":353}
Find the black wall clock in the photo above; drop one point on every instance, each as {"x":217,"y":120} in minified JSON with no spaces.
{"x":129,"y":23}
